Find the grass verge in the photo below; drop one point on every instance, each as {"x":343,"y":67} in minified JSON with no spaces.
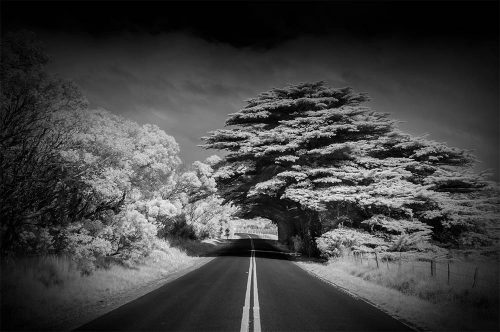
{"x":49,"y":293}
{"x":413,"y":296}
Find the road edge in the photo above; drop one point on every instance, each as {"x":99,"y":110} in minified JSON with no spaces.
{"x":405,"y":322}
{"x":94,"y":311}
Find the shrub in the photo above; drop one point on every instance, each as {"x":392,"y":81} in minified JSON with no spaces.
{"x":35,"y":240}
{"x":334,"y":243}
{"x":134,"y":235}
{"x":406,"y":242}
{"x":85,"y":248}
{"x":474,"y":240}
{"x":129,"y":238}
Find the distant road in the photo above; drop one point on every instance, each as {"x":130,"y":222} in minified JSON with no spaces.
{"x":251,"y":290}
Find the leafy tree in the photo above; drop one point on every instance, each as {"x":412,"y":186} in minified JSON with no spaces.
{"x":309,"y":156}
{"x":71,"y":178}
{"x":200,"y":212}
{"x":118,"y":171}
{"x":32,"y":130}
{"x":108,"y":198}
{"x":87,"y":182}
{"x":116,"y":161}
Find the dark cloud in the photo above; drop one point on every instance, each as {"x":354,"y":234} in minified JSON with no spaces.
{"x":187,"y":85}
{"x":262,"y":24}
{"x":185,"y":67}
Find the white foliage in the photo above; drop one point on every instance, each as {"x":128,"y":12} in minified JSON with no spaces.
{"x":269,"y":187}
{"x":316,"y":146}
{"x":213,"y":160}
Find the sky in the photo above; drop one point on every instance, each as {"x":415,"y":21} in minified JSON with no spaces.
{"x":185,"y":66}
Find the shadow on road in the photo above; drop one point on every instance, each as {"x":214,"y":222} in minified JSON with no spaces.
{"x":263,"y":248}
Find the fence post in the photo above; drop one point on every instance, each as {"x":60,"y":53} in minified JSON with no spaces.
{"x":432,"y":268}
{"x":475,"y":277}
{"x":376,"y":258}
{"x":448,"y":272}
{"x":361,"y":256}
{"x":399,"y":264}
{"x":387,"y":262}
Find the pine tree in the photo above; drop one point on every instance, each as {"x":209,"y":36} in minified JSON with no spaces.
{"x":310,"y":157}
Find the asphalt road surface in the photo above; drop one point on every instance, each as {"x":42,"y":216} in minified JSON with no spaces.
{"x":245,"y":289}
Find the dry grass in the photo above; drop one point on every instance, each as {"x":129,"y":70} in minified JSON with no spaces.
{"x":423,"y":299}
{"x":414,"y":278}
{"x":38,"y":292}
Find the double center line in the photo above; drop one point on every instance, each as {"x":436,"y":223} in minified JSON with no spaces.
{"x":245,"y":319}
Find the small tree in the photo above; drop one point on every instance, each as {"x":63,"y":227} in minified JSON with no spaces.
{"x":195,"y":204}
{"x":309,"y":153}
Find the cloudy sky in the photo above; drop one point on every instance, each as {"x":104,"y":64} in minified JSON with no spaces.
{"x":185,"y":66}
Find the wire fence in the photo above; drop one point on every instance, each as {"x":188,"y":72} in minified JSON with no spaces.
{"x":452,"y":272}
{"x":447,"y":271}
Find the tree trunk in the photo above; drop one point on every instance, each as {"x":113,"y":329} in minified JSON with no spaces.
{"x":285,"y":232}
{"x":311,"y":229}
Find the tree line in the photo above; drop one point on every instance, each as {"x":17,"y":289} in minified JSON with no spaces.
{"x":333,"y":174}
{"x":85,"y":182}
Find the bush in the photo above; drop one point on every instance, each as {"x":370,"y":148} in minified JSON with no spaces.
{"x":406,"y":242}
{"x":35,"y":240}
{"x":335,"y":243}
{"x":85,"y":249}
{"x":128,"y":239}
{"x":474,"y":240}
{"x":135,"y":237}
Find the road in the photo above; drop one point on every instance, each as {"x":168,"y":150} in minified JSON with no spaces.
{"x":245,"y":289}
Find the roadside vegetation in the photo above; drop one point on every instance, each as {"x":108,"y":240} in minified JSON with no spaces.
{"x":50,"y":292}
{"x":92,"y":205}
{"x":466,"y":299}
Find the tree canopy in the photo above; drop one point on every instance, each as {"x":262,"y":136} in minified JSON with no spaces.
{"x":31,"y":132}
{"x":306,"y":155}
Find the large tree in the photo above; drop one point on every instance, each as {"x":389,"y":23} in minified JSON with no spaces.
{"x":310,"y":157}
{"x":63,"y":166}
{"x":32,"y":131}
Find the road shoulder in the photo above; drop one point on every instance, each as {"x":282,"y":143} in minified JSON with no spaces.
{"x":391,"y":302}
{"x":82,"y":315}
{"x":416,"y":313}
